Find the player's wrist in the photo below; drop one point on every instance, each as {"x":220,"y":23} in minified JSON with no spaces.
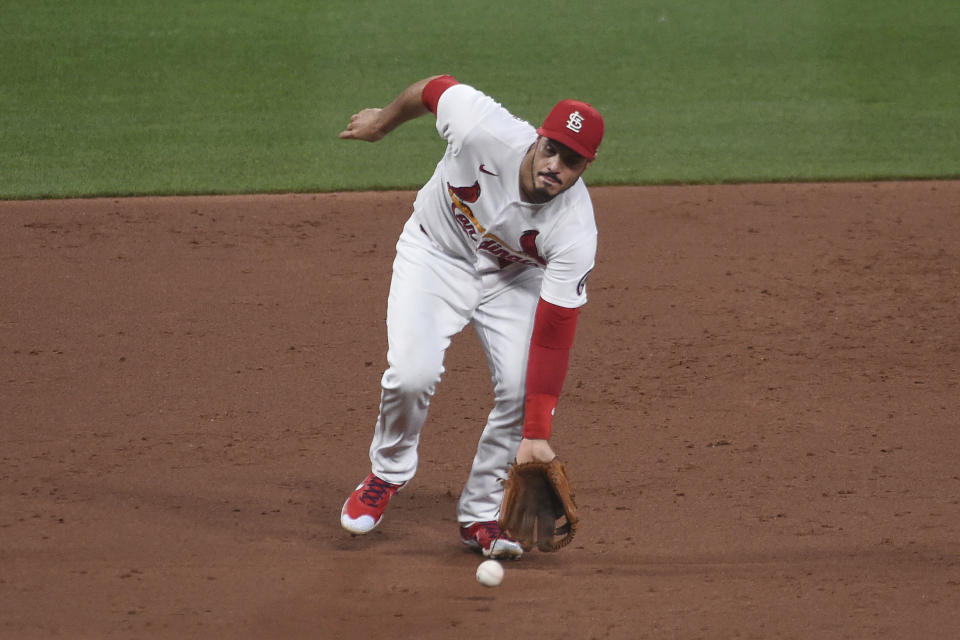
{"x":535,"y":450}
{"x":538,"y":415}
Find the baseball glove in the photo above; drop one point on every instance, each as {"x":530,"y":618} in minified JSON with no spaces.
{"x":538,"y":506}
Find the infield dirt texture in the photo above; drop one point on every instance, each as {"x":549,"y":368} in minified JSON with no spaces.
{"x":760,"y":421}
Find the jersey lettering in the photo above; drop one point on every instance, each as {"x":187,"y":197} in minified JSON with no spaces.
{"x":505,"y":255}
{"x":466,"y":225}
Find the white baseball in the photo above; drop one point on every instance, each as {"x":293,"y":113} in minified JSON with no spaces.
{"x":490,"y":573}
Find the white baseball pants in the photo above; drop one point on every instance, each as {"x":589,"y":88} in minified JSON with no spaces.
{"x":432,"y":298}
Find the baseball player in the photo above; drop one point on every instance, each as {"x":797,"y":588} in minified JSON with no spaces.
{"x":501,"y":237}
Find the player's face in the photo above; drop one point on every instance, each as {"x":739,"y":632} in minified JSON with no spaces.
{"x":554,"y":169}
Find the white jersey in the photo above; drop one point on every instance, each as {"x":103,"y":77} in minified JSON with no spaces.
{"x":471,"y":208}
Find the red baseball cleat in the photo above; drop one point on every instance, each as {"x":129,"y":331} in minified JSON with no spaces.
{"x":487,"y":538}
{"x":363,"y":510}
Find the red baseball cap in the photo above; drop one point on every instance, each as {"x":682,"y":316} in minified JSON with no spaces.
{"x":575,"y":124}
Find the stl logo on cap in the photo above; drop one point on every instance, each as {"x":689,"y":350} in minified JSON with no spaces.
{"x":575,"y":122}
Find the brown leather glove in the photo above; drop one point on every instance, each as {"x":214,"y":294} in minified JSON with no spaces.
{"x":538,"y":506}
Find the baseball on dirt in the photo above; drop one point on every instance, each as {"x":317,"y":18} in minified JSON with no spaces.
{"x":490,"y":573}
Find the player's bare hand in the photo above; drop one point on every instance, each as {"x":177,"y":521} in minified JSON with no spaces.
{"x":365,"y":125}
{"x":534,"y":451}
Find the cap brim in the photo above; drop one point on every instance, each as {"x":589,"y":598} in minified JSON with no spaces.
{"x":567,"y":140}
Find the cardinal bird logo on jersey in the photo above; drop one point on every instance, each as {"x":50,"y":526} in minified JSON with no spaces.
{"x":466,"y":194}
{"x":459,"y":197}
{"x":528,"y":242}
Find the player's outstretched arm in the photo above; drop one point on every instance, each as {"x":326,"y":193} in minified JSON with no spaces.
{"x":373,"y":124}
{"x":553,"y":331}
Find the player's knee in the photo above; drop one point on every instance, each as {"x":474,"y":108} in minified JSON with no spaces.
{"x":412,"y":377}
{"x":505,"y":401}
{"x":510,"y":388}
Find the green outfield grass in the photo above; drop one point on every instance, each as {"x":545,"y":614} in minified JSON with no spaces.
{"x":109,"y":97}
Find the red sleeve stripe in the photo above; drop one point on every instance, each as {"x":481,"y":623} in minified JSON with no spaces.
{"x":434,"y":89}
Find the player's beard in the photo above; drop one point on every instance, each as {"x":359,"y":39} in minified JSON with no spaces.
{"x":539,"y":195}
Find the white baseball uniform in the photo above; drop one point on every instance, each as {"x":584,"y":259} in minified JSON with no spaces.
{"x":474,"y":252}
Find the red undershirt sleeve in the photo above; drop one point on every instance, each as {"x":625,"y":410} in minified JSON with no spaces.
{"x":553,"y":331}
{"x":434,"y":89}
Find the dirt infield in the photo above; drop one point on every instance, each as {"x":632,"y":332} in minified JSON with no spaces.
{"x":760,"y":420}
